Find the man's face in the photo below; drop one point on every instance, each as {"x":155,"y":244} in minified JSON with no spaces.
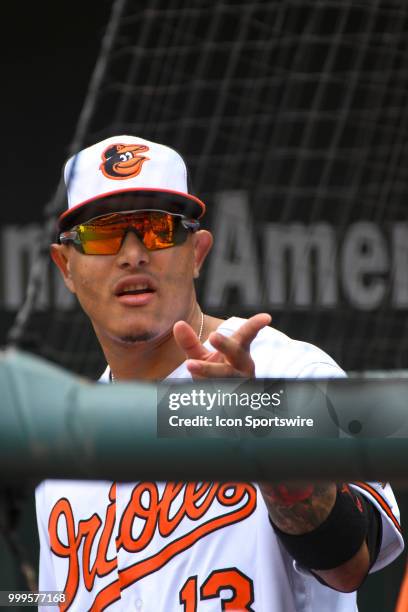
{"x":135,"y":295}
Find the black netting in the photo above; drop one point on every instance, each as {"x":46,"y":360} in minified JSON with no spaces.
{"x":292,"y":116}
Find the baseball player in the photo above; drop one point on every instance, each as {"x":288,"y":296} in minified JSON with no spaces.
{"x":130,"y":247}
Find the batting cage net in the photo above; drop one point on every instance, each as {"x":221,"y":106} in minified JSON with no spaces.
{"x":293,"y":118}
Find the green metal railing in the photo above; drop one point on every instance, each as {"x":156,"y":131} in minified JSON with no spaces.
{"x":53,"y":424}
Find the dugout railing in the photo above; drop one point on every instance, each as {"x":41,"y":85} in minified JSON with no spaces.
{"x":53,"y":424}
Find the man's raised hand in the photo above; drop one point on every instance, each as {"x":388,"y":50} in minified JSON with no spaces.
{"x":231,"y":358}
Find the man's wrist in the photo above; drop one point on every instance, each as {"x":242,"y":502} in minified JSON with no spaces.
{"x":335,"y":540}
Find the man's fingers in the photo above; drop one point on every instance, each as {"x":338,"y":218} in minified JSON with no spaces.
{"x":188,"y":341}
{"x":231,"y":357}
{"x":204,"y":369}
{"x":236,"y":347}
{"x":236,"y":355}
{"x":248,"y":331}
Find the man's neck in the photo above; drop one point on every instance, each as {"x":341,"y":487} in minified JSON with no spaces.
{"x":150,"y":361}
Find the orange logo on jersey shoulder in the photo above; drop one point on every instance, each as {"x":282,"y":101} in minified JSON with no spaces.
{"x":157,"y":515}
{"x":122,"y":161}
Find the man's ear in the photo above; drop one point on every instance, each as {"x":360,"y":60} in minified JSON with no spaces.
{"x":59,"y":257}
{"x":203,"y":241}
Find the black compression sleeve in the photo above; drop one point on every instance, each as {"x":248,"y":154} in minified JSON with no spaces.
{"x":352,"y":521}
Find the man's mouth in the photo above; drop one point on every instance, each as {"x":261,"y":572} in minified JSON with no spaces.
{"x":135,"y":289}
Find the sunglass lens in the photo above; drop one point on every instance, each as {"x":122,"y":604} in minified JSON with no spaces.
{"x":159,"y":231}
{"x":105,"y":236}
{"x":100,"y":240}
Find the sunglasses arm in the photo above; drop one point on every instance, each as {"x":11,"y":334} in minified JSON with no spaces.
{"x":193,"y":225}
{"x":66,"y":237}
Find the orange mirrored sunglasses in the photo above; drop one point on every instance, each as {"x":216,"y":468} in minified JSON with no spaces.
{"x":104,"y":235}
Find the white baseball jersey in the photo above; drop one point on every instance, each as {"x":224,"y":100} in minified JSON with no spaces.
{"x":190,"y":547}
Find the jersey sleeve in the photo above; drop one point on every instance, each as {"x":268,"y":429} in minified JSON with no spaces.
{"x":379,"y":494}
{"x":382,"y":497}
{"x":322,"y":370}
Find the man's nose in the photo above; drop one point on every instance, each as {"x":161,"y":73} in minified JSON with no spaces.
{"x":132,"y":252}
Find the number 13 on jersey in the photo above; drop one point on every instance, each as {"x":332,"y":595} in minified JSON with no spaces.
{"x":230,"y":578}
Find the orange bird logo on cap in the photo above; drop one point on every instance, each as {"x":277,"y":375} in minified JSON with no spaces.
{"x":122,"y":161}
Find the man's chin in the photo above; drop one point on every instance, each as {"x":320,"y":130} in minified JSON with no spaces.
{"x":137,"y":338}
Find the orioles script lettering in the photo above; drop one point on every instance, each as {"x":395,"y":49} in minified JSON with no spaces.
{"x":152,"y":512}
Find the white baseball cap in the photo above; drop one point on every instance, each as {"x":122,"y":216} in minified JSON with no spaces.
{"x":156,"y":174}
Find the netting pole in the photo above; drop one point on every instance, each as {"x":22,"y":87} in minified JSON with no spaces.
{"x":40,"y":256}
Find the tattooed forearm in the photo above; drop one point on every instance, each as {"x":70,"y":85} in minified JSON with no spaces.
{"x":298,"y":508}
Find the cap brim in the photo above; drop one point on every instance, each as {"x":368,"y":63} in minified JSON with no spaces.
{"x":133,"y":199}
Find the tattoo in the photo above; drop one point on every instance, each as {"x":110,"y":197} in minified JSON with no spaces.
{"x":298,"y":508}
{"x":287,"y":496}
